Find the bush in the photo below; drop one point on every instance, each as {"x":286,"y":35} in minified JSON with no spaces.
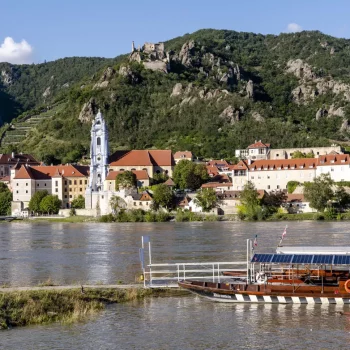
{"x":212,"y":218}
{"x":150,"y":216}
{"x":184,"y":216}
{"x":107,"y":218}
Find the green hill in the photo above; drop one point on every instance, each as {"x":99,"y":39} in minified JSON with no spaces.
{"x":224,"y":89}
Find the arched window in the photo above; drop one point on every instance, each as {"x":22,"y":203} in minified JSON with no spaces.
{"x":99,"y":141}
{"x":98,"y":122}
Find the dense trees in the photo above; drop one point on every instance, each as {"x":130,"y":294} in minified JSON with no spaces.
{"x":50,"y":204}
{"x":206,"y":199}
{"x":189,"y":175}
{"x":162,"y":197}
{"x":34,"y":203}
{"x":141,"y":114}
{"x":125,"y":180}
{"x":78,"y":202}
{"x":5,"y":199}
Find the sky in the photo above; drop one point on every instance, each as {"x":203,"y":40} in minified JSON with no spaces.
{"x":39,"y":30}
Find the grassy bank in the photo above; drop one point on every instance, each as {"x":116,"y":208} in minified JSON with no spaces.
{"x":66,"y":306}
{"x":310,"y":216}
{"x":70,"y":219}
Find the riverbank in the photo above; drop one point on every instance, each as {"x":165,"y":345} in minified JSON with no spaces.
{"x":23,"y":308}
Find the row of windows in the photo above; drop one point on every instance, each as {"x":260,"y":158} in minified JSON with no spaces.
{"x":140,"y":203}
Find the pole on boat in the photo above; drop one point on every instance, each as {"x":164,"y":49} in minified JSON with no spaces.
{"x":146,"y":239}
{"x":248,"y":253}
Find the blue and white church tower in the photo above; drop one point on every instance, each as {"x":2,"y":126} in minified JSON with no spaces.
{"x":99,"y":162}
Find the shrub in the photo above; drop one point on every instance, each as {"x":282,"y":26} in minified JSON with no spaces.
{"x":107,"y":218}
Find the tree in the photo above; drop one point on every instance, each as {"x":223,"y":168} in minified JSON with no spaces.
{"x":50,"y":204}
{"x":5,"y":202}
{"x":250,"y":205}
{"x":116,"y":204}
{"x":206,"y":199}
{"x":190,"y":175}
{"x":319,"y":192}
{"x":34,"y":203}
{"x":162,"y":197}
{"x":342,"y":197}
{"x":78,"y":202}
{"x":274,"y":199}
{"x":299,"y":154}
{"x":126,"y":180}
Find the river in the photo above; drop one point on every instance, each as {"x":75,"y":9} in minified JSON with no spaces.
{"x":108,"y":253}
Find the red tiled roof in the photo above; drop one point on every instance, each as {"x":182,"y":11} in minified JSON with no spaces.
{"x":221,"y":162}
{"x":281,"y":164}
{"x":259,"y":144}
{"x":142,"y":158}
{"x":169,"y":182}
{"x":236,"y":194}
{"x":18,"y":158}
{"x":241,"y":165}
{"x":43,"y":172}
{"x":212,"y":170}
{"x":216,"y":184}
{"x":295,"y":197}
{"x":333,"y":159}
{"x":140,"y":174}
{"x":184,"y":154}
{"x":221,"y":178}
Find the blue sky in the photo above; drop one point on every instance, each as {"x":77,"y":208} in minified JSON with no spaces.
{"x":38,"y":30}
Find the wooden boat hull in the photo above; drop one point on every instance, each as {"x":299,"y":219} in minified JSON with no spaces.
{"x":228,"y":296}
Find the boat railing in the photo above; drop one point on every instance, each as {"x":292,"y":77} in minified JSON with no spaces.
{"x":169,"y":274}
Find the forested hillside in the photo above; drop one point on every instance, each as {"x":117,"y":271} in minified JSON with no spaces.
{"x":222,"y":91}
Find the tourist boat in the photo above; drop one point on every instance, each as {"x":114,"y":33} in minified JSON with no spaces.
{"x":292,"y":275}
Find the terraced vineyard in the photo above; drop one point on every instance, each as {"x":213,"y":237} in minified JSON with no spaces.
{"x":18,"y":130}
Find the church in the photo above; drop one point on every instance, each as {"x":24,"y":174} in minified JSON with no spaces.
{"x":101,"y":187}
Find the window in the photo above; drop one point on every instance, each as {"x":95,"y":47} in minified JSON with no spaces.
{"x":278,"y":186}
{"x":70,"y":182}
{"x":98,"y":141}
{"x":65,"y":182}
{"x":56,"y":183}
{"x":17,"y":184}
{"x":65,"y":196}
{"x":45,"y":184}
{"x":26,"y":183}
{"x":56,"y":190}
{"x":26,"y":191}
{"x":70,"y":189}
{"x":135,"y":203}
{"x":277,"y":155}
{"x":75,"y":182}
{"x":16,"y":191}
{"x":140,"y":203}
{"x":252,"y":177}
{"x":37,"y":185}
{"x":80,"y":189}
{"x":70,"y":196}
{"x":80,"y":182}
{"x":85,"y":182}
{"x":268,"y":187}
{"x":332,"y":169}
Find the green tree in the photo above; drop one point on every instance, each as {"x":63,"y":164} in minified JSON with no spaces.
{"x":162,"y":197}
{"x":50,"y":204}
{"x":342,"y":197}
{"x":299,"y":154}
{"x":117,"y":203}
{"x":319,"y":192}
{"x":292,"y":185}
{"x":5,"y":202}
{"x":78,"y":202}
{"x":126,"y":180}
{"x":206,"y":199}
{"x":250,"y":207}
{"x":190,"y":175}
{"x":34,"y":203}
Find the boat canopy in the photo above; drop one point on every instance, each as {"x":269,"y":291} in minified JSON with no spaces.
{"x":341,"y":250}
{"x":331,"y":259}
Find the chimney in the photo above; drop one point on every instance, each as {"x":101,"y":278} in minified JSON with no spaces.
{"x":249,"y":161}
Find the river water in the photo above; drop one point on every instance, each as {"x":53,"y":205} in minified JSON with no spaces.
{"x":108,"y":253}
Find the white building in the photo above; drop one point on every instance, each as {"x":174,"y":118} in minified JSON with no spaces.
{"x":336,"y":165}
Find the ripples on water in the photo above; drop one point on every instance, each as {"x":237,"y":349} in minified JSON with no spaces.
{"x":89,"y":253}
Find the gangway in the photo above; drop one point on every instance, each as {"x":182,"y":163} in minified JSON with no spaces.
{"x":169,"y":274}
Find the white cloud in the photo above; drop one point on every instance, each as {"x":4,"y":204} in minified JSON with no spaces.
{"x":293,"y":27}
{"x":16,"y":53}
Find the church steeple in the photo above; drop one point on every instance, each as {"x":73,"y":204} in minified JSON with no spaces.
{"x":98,"y":153}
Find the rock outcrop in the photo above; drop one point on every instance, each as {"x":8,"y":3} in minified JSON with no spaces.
{"x":231,"y":115}
{"x":186,"y":53}
{"x":47,"y":92}
{"x":250,"y":89}
{"x":321,"y":113}
{"x":258,"y":117}
{"x":177,"y":90}
{"x":88,"y":112}
{"x":105,"y":78}
{"x":6,"y":77}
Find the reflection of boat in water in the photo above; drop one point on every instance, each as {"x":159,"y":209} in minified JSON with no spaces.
{"x":307,"y":275}
{"x":8,"y":218}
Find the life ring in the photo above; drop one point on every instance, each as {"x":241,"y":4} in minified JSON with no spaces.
{"x":347,"y":286}
{"x":261,"y":277}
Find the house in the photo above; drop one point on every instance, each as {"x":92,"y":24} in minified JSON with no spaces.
{"x":139,"y":201}
{"x":336,"y":165}
{"x":270,"y":175}
{"x":183,"y":155}
{"x":170,"y":183}
{"x":296,"y":203}
{"x":218,"y":186}
{"x":152,"y":161}
{"x":228,"y":202}
{"x":9,"y":161}
{"x":65,"y":181}
{"x":257,"y":150}
{"x":142,"y":179}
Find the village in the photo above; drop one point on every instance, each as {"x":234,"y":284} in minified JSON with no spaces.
{"x":95,"y":187}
